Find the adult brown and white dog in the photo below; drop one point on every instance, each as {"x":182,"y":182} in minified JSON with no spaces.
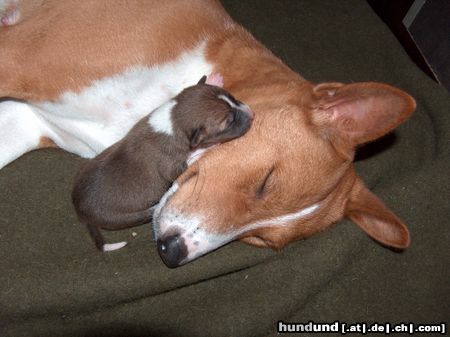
{"x":81,"y":76}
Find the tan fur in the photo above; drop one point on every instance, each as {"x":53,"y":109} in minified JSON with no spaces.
{"x":305,"y":133}
{"x":45,"y":142}
{"x":140,"y":33}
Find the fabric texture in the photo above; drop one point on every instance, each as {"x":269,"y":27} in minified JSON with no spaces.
{"x":54,"y":283}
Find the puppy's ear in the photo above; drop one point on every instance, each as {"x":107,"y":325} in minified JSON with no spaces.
{"x":215,"y":79}
{"x":202,"y":80}
{"x":197,"y":137}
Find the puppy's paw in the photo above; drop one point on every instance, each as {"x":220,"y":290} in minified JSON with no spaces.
{"x":109,"y":247}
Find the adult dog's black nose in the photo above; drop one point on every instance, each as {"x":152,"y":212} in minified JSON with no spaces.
{"x":172,"y":250}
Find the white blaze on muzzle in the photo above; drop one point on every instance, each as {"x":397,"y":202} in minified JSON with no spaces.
{"x":159,"y":207}
{"x":198,"y":241}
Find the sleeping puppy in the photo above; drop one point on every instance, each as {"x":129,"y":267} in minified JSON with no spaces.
{"x":118,"y":188}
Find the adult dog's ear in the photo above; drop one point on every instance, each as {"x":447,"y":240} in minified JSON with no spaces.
{"x":374,"y":218}
{"x":202,"y":80}
{"x":356,"y":113}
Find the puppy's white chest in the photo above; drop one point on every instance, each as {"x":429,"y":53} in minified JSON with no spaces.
{"x":98,"y":116}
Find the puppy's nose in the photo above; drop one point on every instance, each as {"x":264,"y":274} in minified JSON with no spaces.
{"x":172,"y":250}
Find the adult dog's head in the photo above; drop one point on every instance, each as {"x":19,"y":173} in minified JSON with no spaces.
{"x":289,"y":177}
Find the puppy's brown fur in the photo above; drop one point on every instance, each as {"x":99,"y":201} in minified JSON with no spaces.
{"x":117,"y":188}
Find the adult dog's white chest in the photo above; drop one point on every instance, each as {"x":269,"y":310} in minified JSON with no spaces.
{"x":93,"y":119}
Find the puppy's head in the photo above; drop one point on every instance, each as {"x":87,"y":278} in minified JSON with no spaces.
{"x":208,"y":115}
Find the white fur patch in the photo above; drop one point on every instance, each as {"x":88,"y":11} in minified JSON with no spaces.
{"x":197,"y":154}
{"x":21,"y":130}
{"x":87,"y":122}
{"x":240,"y":106}
{"x":109,"y":247}
{"x":279,"y":220}
{"x":158,"y":208}
{"x":199,"y":241}
{"x":160,"y":119}
{"x":228,"y":101}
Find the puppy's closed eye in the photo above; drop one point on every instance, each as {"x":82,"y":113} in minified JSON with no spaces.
{"x":228,"y":121}
{"x":231,"y":119}
{"x":197,"y":136}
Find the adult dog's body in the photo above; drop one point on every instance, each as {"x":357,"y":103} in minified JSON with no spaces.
{"x":88,"y":74}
